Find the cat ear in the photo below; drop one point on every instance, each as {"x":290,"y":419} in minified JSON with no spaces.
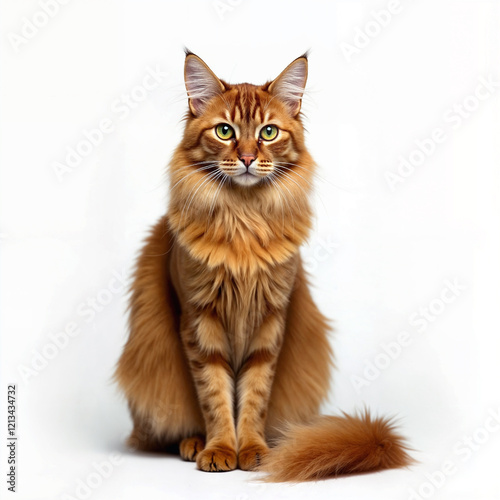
{"x":290,"y":84}
{"x":201,"y":83}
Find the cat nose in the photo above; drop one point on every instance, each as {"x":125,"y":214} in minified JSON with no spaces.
{"x":247,"y":159}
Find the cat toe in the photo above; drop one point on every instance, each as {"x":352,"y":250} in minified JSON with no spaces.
{"x":217,"y":459}
{"x":190,"y":447}
{"x":249,"y":457}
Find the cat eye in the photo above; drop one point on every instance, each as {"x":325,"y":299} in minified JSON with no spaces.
{"x":224,"y":131}
{"x":269,"y":132}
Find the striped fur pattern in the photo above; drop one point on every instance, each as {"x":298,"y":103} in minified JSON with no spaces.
{"x":226,"y":344}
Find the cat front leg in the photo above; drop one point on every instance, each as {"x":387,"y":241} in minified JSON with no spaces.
{"x":204,"y":340}
{"x":253,"y":389}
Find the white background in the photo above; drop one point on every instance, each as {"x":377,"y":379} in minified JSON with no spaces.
{"x":376,"y":255}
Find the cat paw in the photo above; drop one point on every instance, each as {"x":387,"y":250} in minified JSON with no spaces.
{"x":249,"y":457}
{"x":216,"y":459}
{"x":190,"y":447}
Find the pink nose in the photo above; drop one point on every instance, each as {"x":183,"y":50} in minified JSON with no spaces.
{"x":247,"y":159}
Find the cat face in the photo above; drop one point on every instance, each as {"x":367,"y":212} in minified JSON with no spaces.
{"x":244,"y":136}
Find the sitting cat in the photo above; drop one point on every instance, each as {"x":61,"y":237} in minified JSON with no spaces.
{"x":227,"y":350}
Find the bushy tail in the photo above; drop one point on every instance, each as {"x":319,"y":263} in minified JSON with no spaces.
{"x":330,"y":446}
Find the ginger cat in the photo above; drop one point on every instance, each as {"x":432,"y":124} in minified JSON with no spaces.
{"x":227,"y":350}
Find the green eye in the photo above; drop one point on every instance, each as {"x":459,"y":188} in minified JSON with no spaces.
{"x":269,"y":132}
{"x":224,"y":131}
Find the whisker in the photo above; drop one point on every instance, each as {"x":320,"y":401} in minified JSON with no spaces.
{"x":278,"y":190}
{"x":289,"y":169}
{"x":169,"y":169}
{"x":184,"y":177}
{"x":190,"y":199}
{"x":314,"y":173}
{"x":277,"y":182}
{"x":289,"y":176}
{"x":286,"y":187}
{"x":214,"y":188}
{"x":225,"y":177}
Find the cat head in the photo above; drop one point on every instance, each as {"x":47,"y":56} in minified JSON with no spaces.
{"x":243,"y":147}
{"x":249,"y":132}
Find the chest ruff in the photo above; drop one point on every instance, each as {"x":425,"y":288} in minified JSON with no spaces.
{"x":241,"y":280}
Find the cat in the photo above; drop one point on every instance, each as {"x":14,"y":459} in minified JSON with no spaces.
{"x":227,"y":352}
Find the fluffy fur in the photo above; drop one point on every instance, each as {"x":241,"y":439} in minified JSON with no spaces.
{"x":329,"y":446}
{"x":226,"y":343}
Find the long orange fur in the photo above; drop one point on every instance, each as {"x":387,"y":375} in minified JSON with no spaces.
{"x":227,"y":351}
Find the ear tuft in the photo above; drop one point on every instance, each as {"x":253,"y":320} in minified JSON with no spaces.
{"x":201,"y":83}
{"x":290,"y":84}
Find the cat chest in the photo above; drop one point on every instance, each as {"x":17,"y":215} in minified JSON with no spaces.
{"x":242,"y":304}
{"x":240,"y":300}
{"x":248,"y":297}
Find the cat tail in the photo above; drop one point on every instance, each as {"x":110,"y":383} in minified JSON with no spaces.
{"x":330,"y":446}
